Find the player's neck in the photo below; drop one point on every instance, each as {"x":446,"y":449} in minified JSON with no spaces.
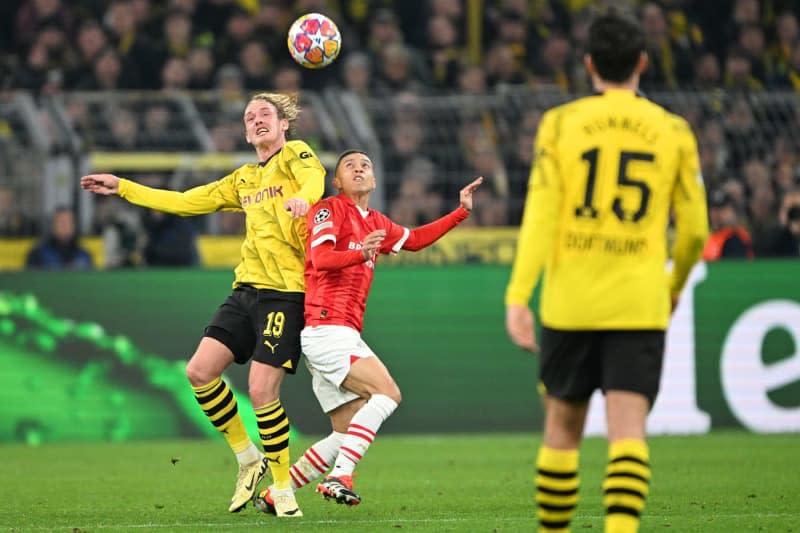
{"x":601,"y":85}
{"x":361,"y":199}
{"x":265,"y":151}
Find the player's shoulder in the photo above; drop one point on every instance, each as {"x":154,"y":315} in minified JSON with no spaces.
{"x":299,"y":149}
{"x":326,"y":209}
{"x":553,"y":118}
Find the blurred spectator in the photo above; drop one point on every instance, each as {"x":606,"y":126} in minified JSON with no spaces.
{"x":201,"y":68}
{"x":789,"y":77}
{"x":124,"y":132}
{"x":91,"y":41}
{"x":729,"y":239}
{"x":107,"y":74}
{"x":472,"y":80}
{"x":14,"y":222}
{"x":739,"y":72}
{"x":171,"y":240}
{"x":256,"y":65}
{"x":137,"y":54}
{"x":35,"y":14}
{"x":60,"y":249}
{"x":761,"y":209}
{"x":501,"y":69}
{"x":271,"y":22}
{"x":443,"y":52}
{"x":670,"y":60}
{"x":239,"y":29}
{"x":119,"y":223}
{"x":159,"y":132}
{"x":753,"y":43}
{"x":744,"y":12}
{"x":553,"y":63}
{"x":756,"y":174}
{"x":177,"y":34}
{"x":356,"y":73}
{"x":707,"y":74}
{"x":395,"y":72}
{"x":784,"y":240}
{"x":175,"y":74}
{"x":287,"y":79}
{"x":416,"y":202}
{"x":787,"y":32}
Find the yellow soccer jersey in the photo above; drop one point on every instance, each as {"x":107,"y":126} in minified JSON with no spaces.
{"x":608,"y":171}
{"x":273,"y":252}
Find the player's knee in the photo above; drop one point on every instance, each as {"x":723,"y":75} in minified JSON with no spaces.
{"x":197,"y":375}
{"x":265,"y":386}
{"x":392,"y":391}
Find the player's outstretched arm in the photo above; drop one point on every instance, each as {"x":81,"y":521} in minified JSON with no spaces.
{"x":105,"y":184}
{"x":428,"y":234}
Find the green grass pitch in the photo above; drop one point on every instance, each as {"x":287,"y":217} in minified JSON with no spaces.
{"x":723,"y":482}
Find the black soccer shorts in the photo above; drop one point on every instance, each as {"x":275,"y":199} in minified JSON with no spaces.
{"x":573,"y":364}
{"x":261,"y":323}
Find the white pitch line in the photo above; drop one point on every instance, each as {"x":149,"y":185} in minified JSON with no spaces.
{"x":351,"y":522}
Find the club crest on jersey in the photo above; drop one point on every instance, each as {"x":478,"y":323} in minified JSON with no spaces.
{"x":322,"y":215}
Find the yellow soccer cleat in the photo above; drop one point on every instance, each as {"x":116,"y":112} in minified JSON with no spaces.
{"x":284,"y":503}
{"x":246,"y":483}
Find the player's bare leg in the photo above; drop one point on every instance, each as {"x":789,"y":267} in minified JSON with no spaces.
{"x":369,"y":378}
{"x":204,"y":371}
{"x":627,"y":481}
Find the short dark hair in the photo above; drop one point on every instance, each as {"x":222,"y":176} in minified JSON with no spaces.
{"x":615,"y":44}
{"x":345,"y":154}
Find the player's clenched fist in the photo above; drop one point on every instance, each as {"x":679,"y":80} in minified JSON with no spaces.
{"x":105,"y":184}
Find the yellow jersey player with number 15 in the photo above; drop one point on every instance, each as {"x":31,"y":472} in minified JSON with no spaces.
{"x":609,"y":171}
{"x":263,"y":317}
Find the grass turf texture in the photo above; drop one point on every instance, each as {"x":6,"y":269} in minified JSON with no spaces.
{"x":722,"y":482}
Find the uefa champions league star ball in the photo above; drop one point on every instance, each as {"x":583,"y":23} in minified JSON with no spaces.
{"x":314,"y":41}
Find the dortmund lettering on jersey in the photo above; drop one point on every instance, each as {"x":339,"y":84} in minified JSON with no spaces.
{"x":607,"y":172}
{"x":273,"y":251}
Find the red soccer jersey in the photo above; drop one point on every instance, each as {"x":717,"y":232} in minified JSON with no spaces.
{"x":339,"y":296}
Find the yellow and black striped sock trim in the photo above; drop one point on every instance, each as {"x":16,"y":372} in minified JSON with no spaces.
{"x":273,"y":427}
{"x":557,"y":484}
{"x":219,"y":404}
{"x":626,"y":485}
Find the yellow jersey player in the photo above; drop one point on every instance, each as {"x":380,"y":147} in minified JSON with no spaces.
{"x":609,"y":170}
{"x":263,"y":316}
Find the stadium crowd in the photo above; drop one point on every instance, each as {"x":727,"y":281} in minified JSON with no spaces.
{"x":737,"y":53}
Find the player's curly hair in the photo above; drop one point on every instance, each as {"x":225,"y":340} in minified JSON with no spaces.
{"x":286,"y":104}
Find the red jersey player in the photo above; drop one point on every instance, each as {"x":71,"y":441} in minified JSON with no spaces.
{"x":352,"y":385}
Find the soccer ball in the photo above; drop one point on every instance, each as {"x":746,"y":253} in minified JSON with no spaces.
{"x":314,"y":41}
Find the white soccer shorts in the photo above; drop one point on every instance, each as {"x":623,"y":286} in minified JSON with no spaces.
{"x":329,"y":350}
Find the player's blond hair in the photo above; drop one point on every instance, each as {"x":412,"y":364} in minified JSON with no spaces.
{"x":285,"y":103}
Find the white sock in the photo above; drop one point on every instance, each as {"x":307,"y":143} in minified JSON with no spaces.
{"x":249,"y":455}
{"x":316,"y":461}
{"x":361,"y":433}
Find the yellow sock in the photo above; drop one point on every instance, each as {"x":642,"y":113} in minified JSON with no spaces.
{"x":219,"y":404}
{"x":626,"y":485}
{"x":557,"y":485}
{"x":273,"y":426}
